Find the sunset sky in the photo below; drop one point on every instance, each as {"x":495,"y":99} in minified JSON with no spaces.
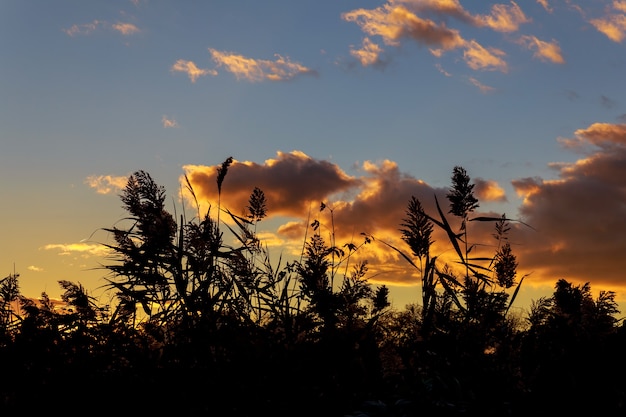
{"x":360,"y":104}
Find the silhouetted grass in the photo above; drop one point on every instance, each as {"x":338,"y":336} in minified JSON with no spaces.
{"x":199,"y":327}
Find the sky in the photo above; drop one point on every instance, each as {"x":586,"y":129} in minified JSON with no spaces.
{"x":358,"y":104}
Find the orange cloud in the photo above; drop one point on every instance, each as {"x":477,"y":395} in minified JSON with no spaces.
{"x":545,"y":5}
{"x":545,"y":51}
{"x":106,"y":184}
{"x":292,"y":183}
{"x":489,"y":190}
{"x":368,"y":54}
{"x":604,"y":135}
{"x":504,"y":18}
{"x":255,"y":70}
{"x":620,"y":5}
{"x":395,"y":23}
{"x":190,"y":68}
{"x":478,"y":57}
{"x":125,"y":28}
{"x":398,"y":20}
{"x":581,"y":214}
{"x":613,"y":25}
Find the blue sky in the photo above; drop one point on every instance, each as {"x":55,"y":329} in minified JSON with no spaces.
{"x":358,"y":103}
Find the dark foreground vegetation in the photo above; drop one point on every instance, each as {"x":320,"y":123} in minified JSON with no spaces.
{"x":196,"y":326}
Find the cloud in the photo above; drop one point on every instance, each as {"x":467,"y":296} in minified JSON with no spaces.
{"x":603,"y":135}
{"x":620,"y":5}
{"x":85,"y":249}
{"x":106,"y":184}
{"x":394,"y":23}
{"x":292,"y":182}
{"x":504,"y":18}
{"x":368,"y":54}
{"x":579,"y":217}
{"x":255,"y":70}
{"x":125,"y":29}
{"x":483,"y":88}
{"x":400,"y":20}
{"x":478,"y":57}
{"x":489,"y":190}
{"x":84,"y":29}
{"x":168,"y":123}
{"x":607,"y":102}
{"x":190,"y":68}
{"x":442,"y":70}
{"x":34,"y":268}
{"x":613,"y":24}
{"x":545,"y":51}
{"x":545,"y":5}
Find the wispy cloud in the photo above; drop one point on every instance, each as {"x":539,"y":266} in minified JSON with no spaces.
{"x":255,"y":70}
{"x":613,"y":24}
{"x":504,"y":18}
{"x":482,"y":87}
{"x":83,"y":249}
{"x":481,"y":58}
{"x":106,"y":184}
{"x":190,"y":68}
{"x":85,"y":29}
{"x":607,"y":102}
{"x":125,"y":28}
{"x":544,"y":51}
{"x":168,"y":122}
{"x":545,"y":5}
